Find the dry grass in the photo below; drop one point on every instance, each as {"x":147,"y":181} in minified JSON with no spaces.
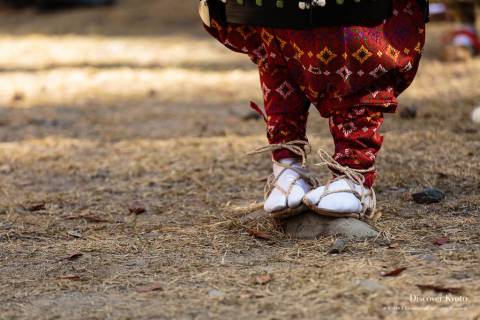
{"x":100,"y":120}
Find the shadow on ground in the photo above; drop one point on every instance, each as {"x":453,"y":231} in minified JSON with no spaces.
{"x":124,"y":134}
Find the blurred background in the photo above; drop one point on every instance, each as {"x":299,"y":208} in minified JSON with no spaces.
{"x":123,"y":134}
{"x":77,"y":63}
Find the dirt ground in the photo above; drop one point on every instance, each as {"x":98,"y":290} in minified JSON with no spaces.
{"x":124,"y":134}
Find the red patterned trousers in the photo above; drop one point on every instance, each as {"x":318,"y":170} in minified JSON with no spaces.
{"x":352,"y":75}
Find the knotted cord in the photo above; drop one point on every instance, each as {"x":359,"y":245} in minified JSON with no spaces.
{"x":300,"y":148}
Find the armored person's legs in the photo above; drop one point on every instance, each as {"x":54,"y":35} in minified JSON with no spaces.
{"x":286,"y":109}
{"x":356,"y":133}
{"x":286,"y":113}
{"x":356,"y":137}
{"x":357,"y":141}
{"x":352,"y":74}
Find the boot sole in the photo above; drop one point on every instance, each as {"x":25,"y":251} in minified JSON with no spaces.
{"x":290,"y":212}
{"x":327,"y":213}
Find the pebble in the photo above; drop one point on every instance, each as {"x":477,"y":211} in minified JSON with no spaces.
{"x":428,"y":196}
{"x":338,"y":246}
{"x":408,"y":112}
{"x":476,"y":115}
{"x":214,"y":293}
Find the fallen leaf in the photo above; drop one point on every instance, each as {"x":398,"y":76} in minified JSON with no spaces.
{"x":35,"y":207}
{"x":394,"y":245}
{"x":394,"y":273}
{"x":441,"y":241}
{"x":150,"y":287}
{"x":263,"y":279}
{"x":74,"y":256}
{"x":259,"y":234}
{"x":94,"y":219}
{"x":72,"y":277}
{"x":88,"y":218}
{"x":440,"y":289}
{"x":136,"y":208}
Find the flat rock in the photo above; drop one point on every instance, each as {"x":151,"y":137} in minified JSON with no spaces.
{"x":428,"y":196}
{"x":310,"y":225}
{"x":214,"y":293}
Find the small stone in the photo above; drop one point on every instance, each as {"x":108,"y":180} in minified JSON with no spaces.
{"x":370,"y":285}
{"x":338,"y":246}
{"x":251,"y":115}
{"x":408,"y":112}
{"x":34,"y":207}
{"x":310,"y":225}
{"x":75,"y":233}
{"x":428,"y":196}
{"x":214,"y":293}
{"x":476,"y":115}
